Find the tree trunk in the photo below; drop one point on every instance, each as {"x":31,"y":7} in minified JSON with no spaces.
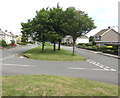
{"x":73,"y":47}
{"x":43,"y":46}
{"x":59,"y":42}
{"x":54,"y":46}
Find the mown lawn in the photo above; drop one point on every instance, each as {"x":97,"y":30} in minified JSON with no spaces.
{"x":50,"y":55}
{"x":48,"y":85}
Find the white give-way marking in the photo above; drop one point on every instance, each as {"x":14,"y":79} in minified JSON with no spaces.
{"x":100,"y":65}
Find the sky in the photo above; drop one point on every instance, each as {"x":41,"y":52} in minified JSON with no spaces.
{"x":13,"y":12}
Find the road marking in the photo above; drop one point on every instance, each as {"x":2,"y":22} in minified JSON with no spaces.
{"x":16,"y":65}
{"x":91,"y":69}
{"x":7,"y":57}
{"x":100,"y":65}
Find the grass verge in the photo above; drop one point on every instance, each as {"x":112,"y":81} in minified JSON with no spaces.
{"x":48,"y":85}
{"x":50,"y":55}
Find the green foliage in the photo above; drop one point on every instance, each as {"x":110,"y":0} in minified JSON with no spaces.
{"x":88,"y":44}
{"x":3,"y":43}
{"x":12,"y":42}
{"x":52,"y":24}
{"x":31,"y":42}
{"x":22,"y":43}
{"x":24,"y":39}
{"x":81,"y":43}
{"x":93,"y":43}
{"x":91,"y":38}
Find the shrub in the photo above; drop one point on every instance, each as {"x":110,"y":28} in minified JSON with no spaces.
{"x":12,"y":42}
{"x":93,"y":43}
{"x":31,"y":42}
{"x":96,"y":48}
{"x":88,"y":44}
{"x":22,"y":43}
{"x":80,"y":44}
{"x":3,"y":43}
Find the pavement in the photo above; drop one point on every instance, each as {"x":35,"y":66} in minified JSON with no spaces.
{"x":97,"y":67}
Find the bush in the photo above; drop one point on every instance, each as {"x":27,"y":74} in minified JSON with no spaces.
{"x":22,"y":43}
{"x":3,"y":43}
{"x":31,"y":42}
{"x":80,"y":44}
{"x":93,"y":43}
{"x":88,"y":44}
{"x":12,"y":42}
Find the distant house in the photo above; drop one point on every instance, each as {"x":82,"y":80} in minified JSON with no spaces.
{"x":68,"y":39}
{"x":82,"y":39}
{"x":2,"y":35}
{"x":18,"y":39}
{"x":107,"y":36}
{"x":7,"y":36}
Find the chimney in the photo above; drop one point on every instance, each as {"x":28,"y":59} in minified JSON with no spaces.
{"x":109,"y":27}
{"x":5,"y":30}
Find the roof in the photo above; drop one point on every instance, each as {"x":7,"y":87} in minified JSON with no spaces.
{"x":101,"y":32}
{"x":1,"y":32}
{"x":104,"y":31}
{"x":83,"y":37}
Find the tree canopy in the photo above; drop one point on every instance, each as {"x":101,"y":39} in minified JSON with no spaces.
{"x":53,"y":24}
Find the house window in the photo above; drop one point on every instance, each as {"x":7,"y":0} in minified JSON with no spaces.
{"x":99,"y":37}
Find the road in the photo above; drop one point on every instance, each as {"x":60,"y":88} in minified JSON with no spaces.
{"x":97,"y":67}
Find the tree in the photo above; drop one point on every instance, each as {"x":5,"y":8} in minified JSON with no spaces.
{"x":26,"y":30}
{"x":41,"y":26}
{"x":53,"y":36}
{"x":77,"y":24}
{"x":56,"y":17}
{"x":91,"y":38}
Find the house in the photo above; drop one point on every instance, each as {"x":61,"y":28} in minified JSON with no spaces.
{"x":82,"y":39}
{"x":2,"y":35}
{"x":68,"y":40}
{"x":18,"y":39}
{"x":106,"y":36}
{"x":7,"y":36}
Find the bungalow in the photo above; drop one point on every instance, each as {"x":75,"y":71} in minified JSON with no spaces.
{"x":106,"y":36}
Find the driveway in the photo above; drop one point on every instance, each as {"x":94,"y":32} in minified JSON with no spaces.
{"x":97,"y":67}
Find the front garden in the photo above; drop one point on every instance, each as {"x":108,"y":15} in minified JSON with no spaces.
{"x":3,"y":44}
{"x":107,"y":48}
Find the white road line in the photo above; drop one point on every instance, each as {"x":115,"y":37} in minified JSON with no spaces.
{"x":83,"y":68}
{"x":112,"y":69}
{"x":15,"y":65}
{"x":7,"y":57}
{"x":106,"y":66}
{"x":89,"y":69}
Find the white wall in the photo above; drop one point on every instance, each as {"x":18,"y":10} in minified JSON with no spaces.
{"x":81,"y":40}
